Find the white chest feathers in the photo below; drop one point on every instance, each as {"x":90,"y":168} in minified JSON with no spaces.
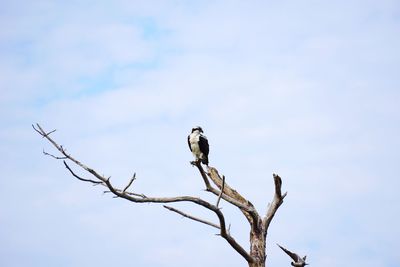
{"x":194,"y":139}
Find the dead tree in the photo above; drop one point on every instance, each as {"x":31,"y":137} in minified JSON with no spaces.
{"x":259,"y":224}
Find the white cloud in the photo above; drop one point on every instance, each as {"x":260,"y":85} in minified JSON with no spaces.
{"x":304,"y":90}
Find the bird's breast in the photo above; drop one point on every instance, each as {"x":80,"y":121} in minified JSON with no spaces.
{"x":194,"y":143}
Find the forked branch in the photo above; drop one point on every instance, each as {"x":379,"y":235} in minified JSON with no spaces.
{"x":276,"y":202}
{"x":228,"y":194}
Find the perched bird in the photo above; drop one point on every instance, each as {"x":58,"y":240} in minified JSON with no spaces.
{"x":198,"y":144}
{"x":297,"y":260}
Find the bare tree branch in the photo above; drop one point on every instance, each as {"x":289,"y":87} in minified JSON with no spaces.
{"x":226,"y":196}
{"x":130,"y":182}
{"x":140,"y":198}
{"x":297,"y":260}
{"x":204,"y":176}
{"x":222,"y":190}
{"x":43,"y":134}
{"x":245,"y":206}
{"x":51,"y":155}
{"x":276,"y":202}
{"x":78,"y":177}
{"x":63,"y":152}
{"x":259,"y":227}
{"x":191,"y":217}
{"x":195,"y":200}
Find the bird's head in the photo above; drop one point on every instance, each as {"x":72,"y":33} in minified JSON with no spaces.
{"x":197,"y":128}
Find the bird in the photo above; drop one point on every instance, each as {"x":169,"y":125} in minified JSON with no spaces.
{"x":297,"y":260}
{"x":198,"y":144}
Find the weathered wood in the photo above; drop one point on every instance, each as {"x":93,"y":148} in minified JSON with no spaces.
{"x":257,"y":245}
{"x":249,"y":212}
{"x":275,"y":204}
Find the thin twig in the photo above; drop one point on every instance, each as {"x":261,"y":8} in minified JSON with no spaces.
{"x":130,"y":182}
{"x":222,"y":190}
{"x":51,"y":155}
{"x":43,"y":134}
{"x":191,"y":217}
{"x":60,"y":148}
{"x":47,"y":134}
{"x":80,"y":178}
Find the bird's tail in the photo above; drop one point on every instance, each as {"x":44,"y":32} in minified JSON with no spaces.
{"x":204,"y":160}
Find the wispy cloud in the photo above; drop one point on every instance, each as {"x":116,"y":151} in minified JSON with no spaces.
{"x":307,"y":90}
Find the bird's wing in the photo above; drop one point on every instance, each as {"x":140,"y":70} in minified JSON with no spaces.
{"x":190,"y":147}
{"x":294,"y":256}
{"x":203,"y":144}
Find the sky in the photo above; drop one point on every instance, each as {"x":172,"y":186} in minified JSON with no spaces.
{"x":305,"y":89}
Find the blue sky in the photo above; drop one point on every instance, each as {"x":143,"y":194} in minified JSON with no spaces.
{"x":308,"y":90}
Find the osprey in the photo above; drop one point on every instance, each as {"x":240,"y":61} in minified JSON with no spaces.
{"x":198,"y":144}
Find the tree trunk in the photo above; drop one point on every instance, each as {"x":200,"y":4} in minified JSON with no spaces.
{"x":257,"y":245}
